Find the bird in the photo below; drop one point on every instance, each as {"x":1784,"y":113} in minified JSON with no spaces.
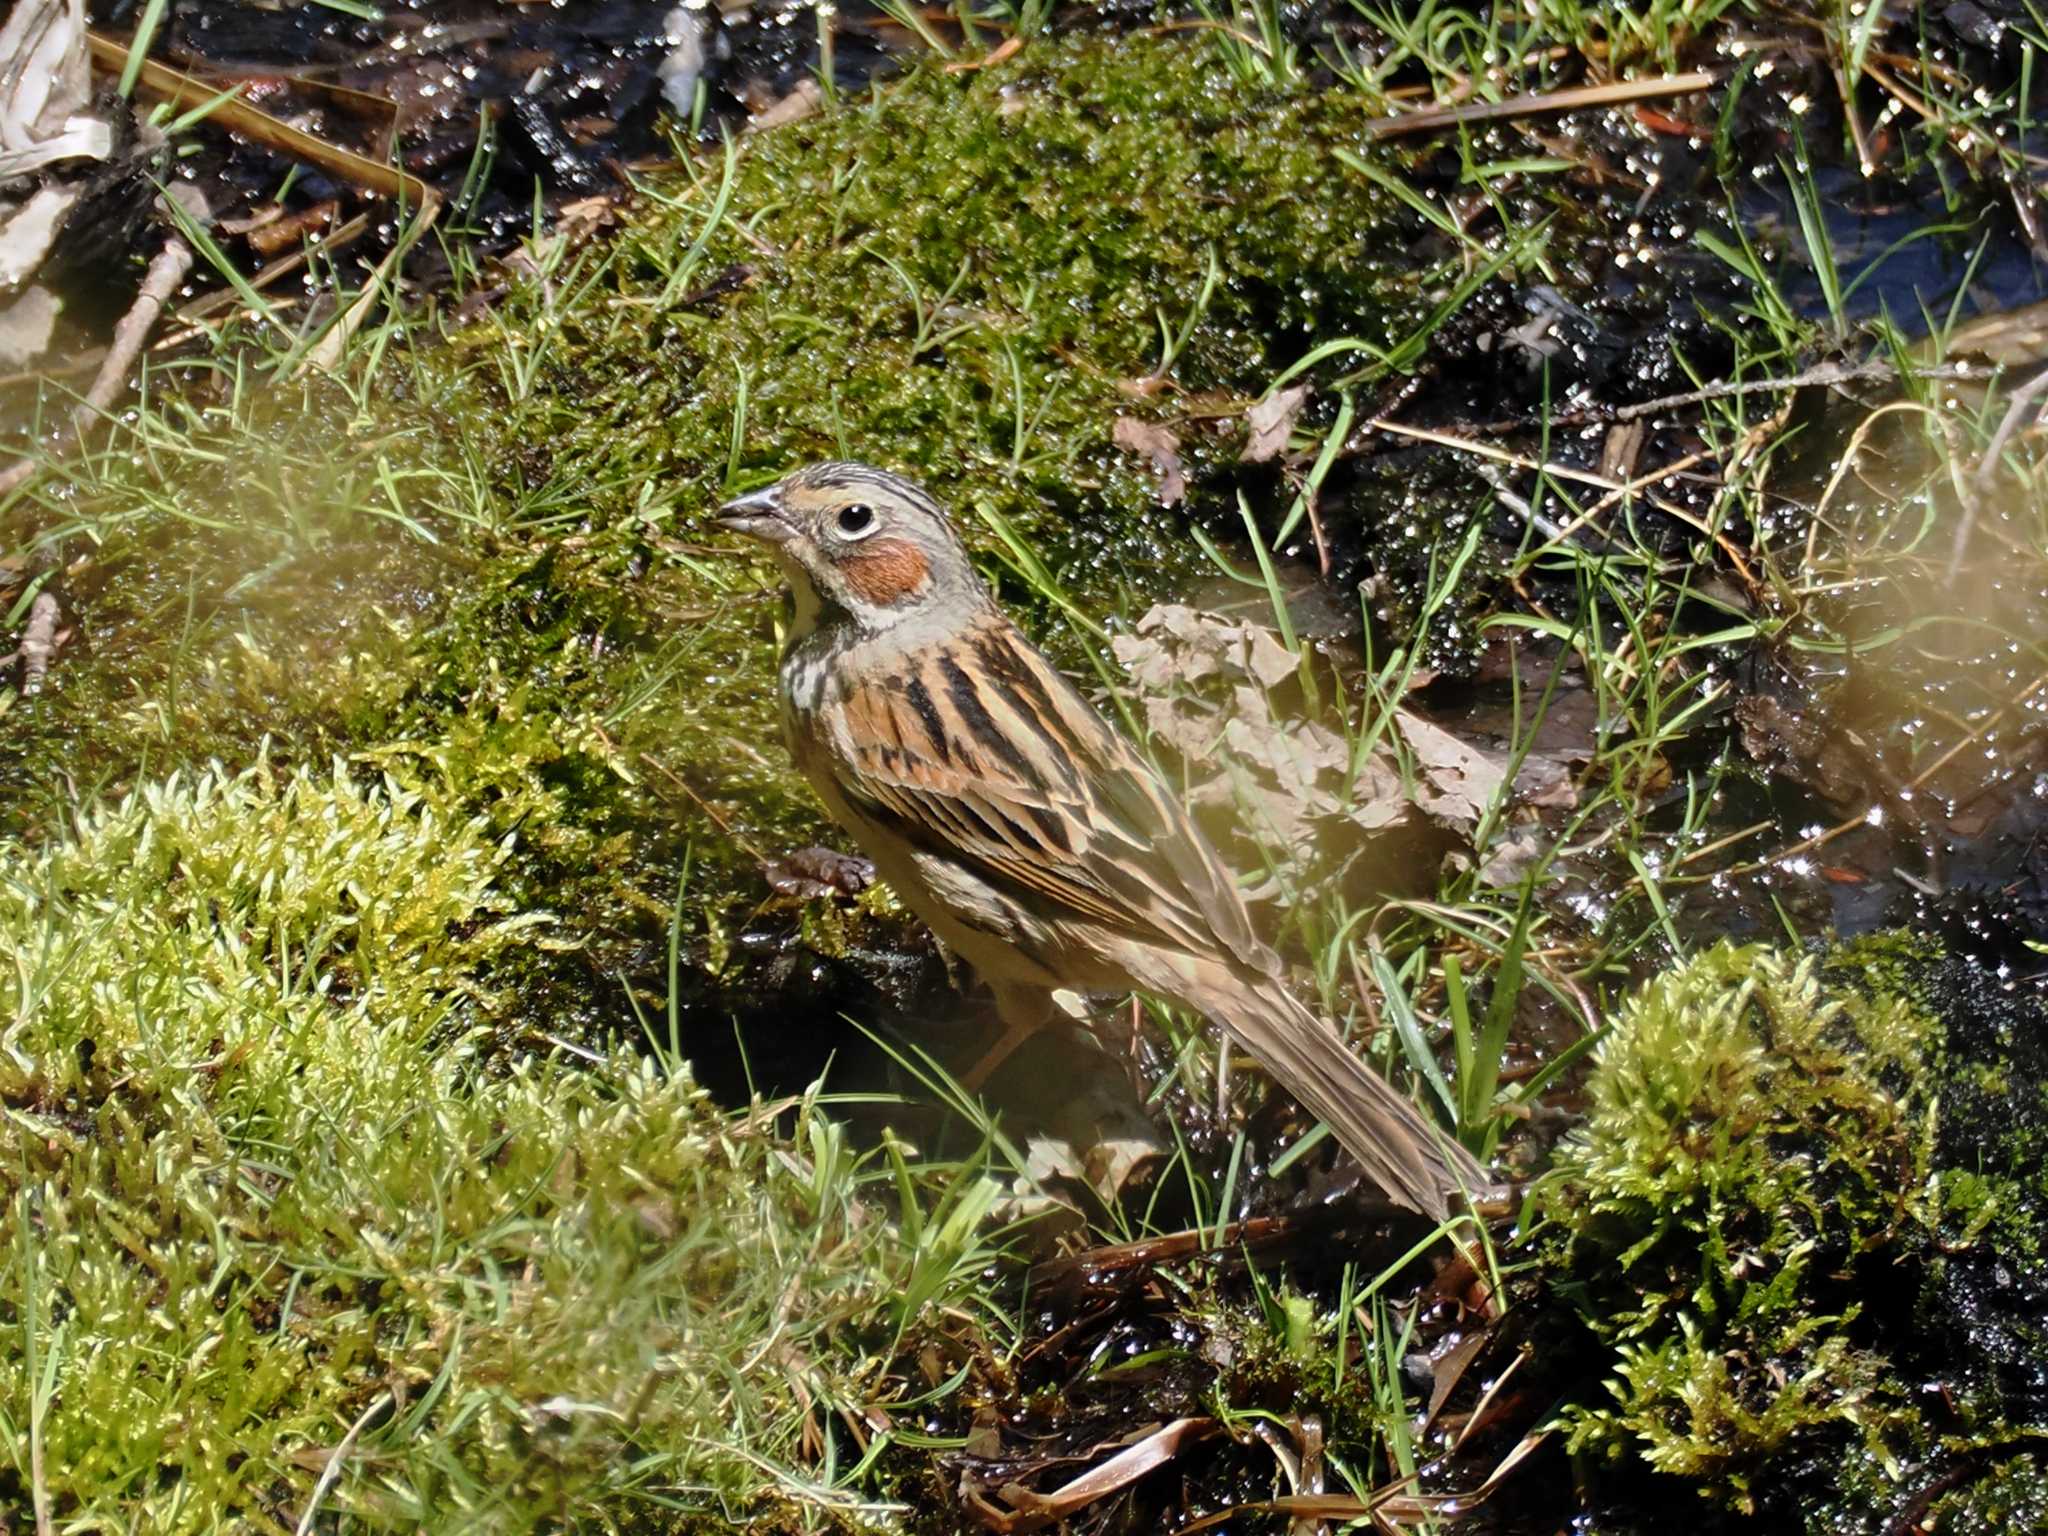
{"x":1028,"y":833}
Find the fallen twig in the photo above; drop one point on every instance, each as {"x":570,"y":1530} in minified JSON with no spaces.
{"x":1536,"y":102}
{"x":1582,"y":476}
{"x":1819,"y":376}
{"x":38,"y":643}
{"x":211,"y":304}
{"x":167,"y":273}
{"x":237,"y":116}
{"x":2021,"y":401}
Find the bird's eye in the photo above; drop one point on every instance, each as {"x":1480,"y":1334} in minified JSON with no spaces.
{"x":856,"y":521}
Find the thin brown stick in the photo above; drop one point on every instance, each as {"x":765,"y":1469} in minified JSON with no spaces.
{"x":1535,"y":103}
{"x":208,"y":305}
{"x":167,"y":273}
{"x":38,"y":643}
{"x":179,"y":89}
{"x":1823,"y":374}
{"x":2021,"y":401}
{"x":1864,"y":158}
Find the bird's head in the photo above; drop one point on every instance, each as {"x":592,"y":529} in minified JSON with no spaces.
{"x":860,"y":544}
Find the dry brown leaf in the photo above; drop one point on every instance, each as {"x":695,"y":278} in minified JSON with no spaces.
{"x":273,"y":235}
{"x":1161,"y":447}
{"x":1272,"y":422}
{"x":1147,"y":1454}
{"x":1208,"y":684}
{"x":804,"y":99}
{"x":29,"y":230}
{"x":26,"y":326}
{"x":1007,"y":48}
{"x":1456,"y":780}
{"x":1178,"y":645}
{"x":46,"y":89}
{"x":585,"y":217}
{"x":236,"y":116}
{"x":1512,"y":853}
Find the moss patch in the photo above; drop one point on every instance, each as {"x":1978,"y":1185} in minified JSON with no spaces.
{"x":477,"y":554}
{"x":262,"y":1186}
{"x":1802,"y":1187}
{"x":966,"y":279}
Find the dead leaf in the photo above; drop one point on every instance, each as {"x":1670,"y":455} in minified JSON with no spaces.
{"x":1146,"y":1453}
{"x":1007,"y":48}
{"x":804,"y":99}
{"x":1620,"y":449}
{"x":585,"y":217}
{"x":1448,"y":1367}
{"x":1456,"y":780}
{"x":1511,"y":855}
{"x":1272,"y":422}
{"x":273,"y":235}
{"x":262,"y":214}
{"x":1208,"y":684}
{"x":1161,"y":447}
{"x":1176,"y":644}
{"x":46,"y":89}
{"x":28,"y":230}
{"x":2012,"y":337}
{"x":26,"y":326}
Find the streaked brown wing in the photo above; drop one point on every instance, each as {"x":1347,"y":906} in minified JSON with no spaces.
{"x":981,"y":751}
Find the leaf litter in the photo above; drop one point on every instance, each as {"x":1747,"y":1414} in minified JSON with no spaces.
{"x":1221,"y":691}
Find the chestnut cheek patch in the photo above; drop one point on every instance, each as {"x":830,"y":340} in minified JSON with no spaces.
{"x":885,"y":573}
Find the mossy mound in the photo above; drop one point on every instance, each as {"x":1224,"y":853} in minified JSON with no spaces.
{"x":267,"y":1196}
{"x":971,"y":278}
{"x":480,"y":533}
{"x":1804,"y":1219}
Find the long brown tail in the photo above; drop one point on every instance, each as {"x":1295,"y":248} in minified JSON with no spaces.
{"x":1419,"y":1166}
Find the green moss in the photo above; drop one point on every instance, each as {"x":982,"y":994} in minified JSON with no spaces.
{"x":262,"y":1186}
{"x":1768,"y":1214}
{"x":2011,"y":1496}
{"x":962,"y":277}
{"x":484,"y":556}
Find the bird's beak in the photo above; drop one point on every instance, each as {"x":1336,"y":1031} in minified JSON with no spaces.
{"x":759,"y":515}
